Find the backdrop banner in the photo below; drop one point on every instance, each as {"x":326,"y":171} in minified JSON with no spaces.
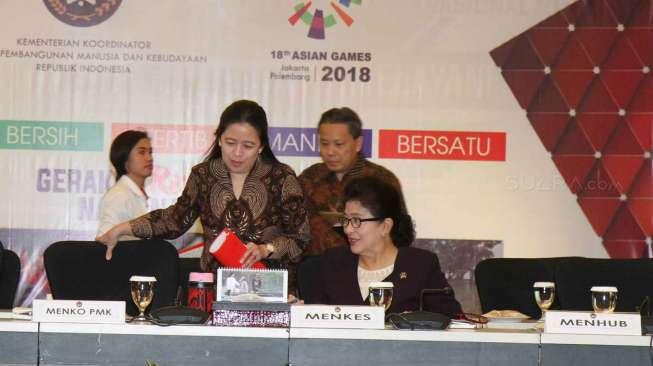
{"x":435,"y":105}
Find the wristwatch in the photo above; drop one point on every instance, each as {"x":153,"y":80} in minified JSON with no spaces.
{"x":270,"y":249}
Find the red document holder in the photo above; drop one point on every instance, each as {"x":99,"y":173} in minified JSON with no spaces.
{"x":227,"y":249}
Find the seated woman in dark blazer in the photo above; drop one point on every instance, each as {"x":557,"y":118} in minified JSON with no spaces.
{"x":379,"y":237}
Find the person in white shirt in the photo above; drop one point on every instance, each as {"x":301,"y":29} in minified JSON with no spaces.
{"x":232,"y":285}
{"x":244,"y":286}
{"x":131,"y":156}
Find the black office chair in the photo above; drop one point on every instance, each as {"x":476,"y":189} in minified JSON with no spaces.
{"x":507,"y":283}
{"x":307,"y":273}
{"x":632,"y":277}
{"x":9,"y":276}
{"x":78,"y":270}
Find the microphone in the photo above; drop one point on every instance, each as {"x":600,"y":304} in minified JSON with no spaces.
{"x":433,"y":291}
{"x":645,"y":312}
{"x":422,"y":319}
{"x":644,"y":308}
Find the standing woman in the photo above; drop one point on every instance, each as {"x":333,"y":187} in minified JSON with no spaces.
{"x":131,"y":157}
{"x":241,"y":186}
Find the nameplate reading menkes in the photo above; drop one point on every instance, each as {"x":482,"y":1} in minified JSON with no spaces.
{"x":78,"y":311}
{"x":337,"y":316}
{"x":587,"y":322}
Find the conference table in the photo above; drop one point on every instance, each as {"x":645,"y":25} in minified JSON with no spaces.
{"x":18,"y":342}
{"x":29,"y":343}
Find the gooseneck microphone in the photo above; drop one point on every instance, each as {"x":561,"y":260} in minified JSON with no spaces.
{"x":433,"y":291}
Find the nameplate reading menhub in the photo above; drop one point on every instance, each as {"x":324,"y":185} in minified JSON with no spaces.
{"x":337,"y":316}
{"x":583,"y":322}
{"x":78,"y":311}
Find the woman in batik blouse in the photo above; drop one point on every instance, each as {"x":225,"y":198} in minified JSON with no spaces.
{"x":241,"y":186}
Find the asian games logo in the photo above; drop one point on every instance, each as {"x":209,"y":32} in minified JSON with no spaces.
{"x":82,"y":13}
{"x":319,"y":19}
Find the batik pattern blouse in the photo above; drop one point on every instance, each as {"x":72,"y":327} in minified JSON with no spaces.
{"x":270,"y":210}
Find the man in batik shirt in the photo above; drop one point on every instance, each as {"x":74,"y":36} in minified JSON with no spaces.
{"x":341,"y":140}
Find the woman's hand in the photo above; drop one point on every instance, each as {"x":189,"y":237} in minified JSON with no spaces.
{"x":294,"y":301}
{"x":253,"y":254}
{"x":110,"y":238}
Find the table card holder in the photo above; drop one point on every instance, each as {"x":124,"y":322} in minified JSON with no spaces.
{"x":337,"y":316}
{"x":588,"y":322}
{"x":78,"y":311}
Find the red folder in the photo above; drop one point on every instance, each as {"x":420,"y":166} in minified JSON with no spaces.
{"x":227,"y":249}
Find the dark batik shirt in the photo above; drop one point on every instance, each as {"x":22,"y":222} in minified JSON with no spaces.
{"x":270,"y":209}
{"x":323,"y":192}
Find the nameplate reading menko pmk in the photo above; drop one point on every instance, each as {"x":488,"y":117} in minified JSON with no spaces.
{"x":337,"y":316}
{"x":78,"y":311}
{"x":583,"y":322}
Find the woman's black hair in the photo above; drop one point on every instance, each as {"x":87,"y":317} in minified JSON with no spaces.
{"x":248,"y":112}
{"x":121,"y":146}
{"x":383,"y":201}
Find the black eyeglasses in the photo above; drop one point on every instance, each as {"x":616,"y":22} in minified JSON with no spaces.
{"x":355,"y":221}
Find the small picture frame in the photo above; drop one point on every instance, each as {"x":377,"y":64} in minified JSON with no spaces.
{"x":252,"y":285}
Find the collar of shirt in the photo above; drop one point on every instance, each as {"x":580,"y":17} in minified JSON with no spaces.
{"x":355,"y":170}
{"x":128,"y":182}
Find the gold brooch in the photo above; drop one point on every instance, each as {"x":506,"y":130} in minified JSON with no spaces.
{"x":403,"y":275}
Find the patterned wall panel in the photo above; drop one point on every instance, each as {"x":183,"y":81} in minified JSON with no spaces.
{"x":584,"y":77}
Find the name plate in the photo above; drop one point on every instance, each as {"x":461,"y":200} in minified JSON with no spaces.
{"x":585,"y":322}
{"x":78,"y":311}
{"x":337,"y":316}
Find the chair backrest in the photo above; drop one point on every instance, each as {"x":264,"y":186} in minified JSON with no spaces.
{"x":507,"y":283}
{"x":307,"y":273}
{"x":9,"y":276}
{"x":78,"y":270}
{"x":632,"y":277}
